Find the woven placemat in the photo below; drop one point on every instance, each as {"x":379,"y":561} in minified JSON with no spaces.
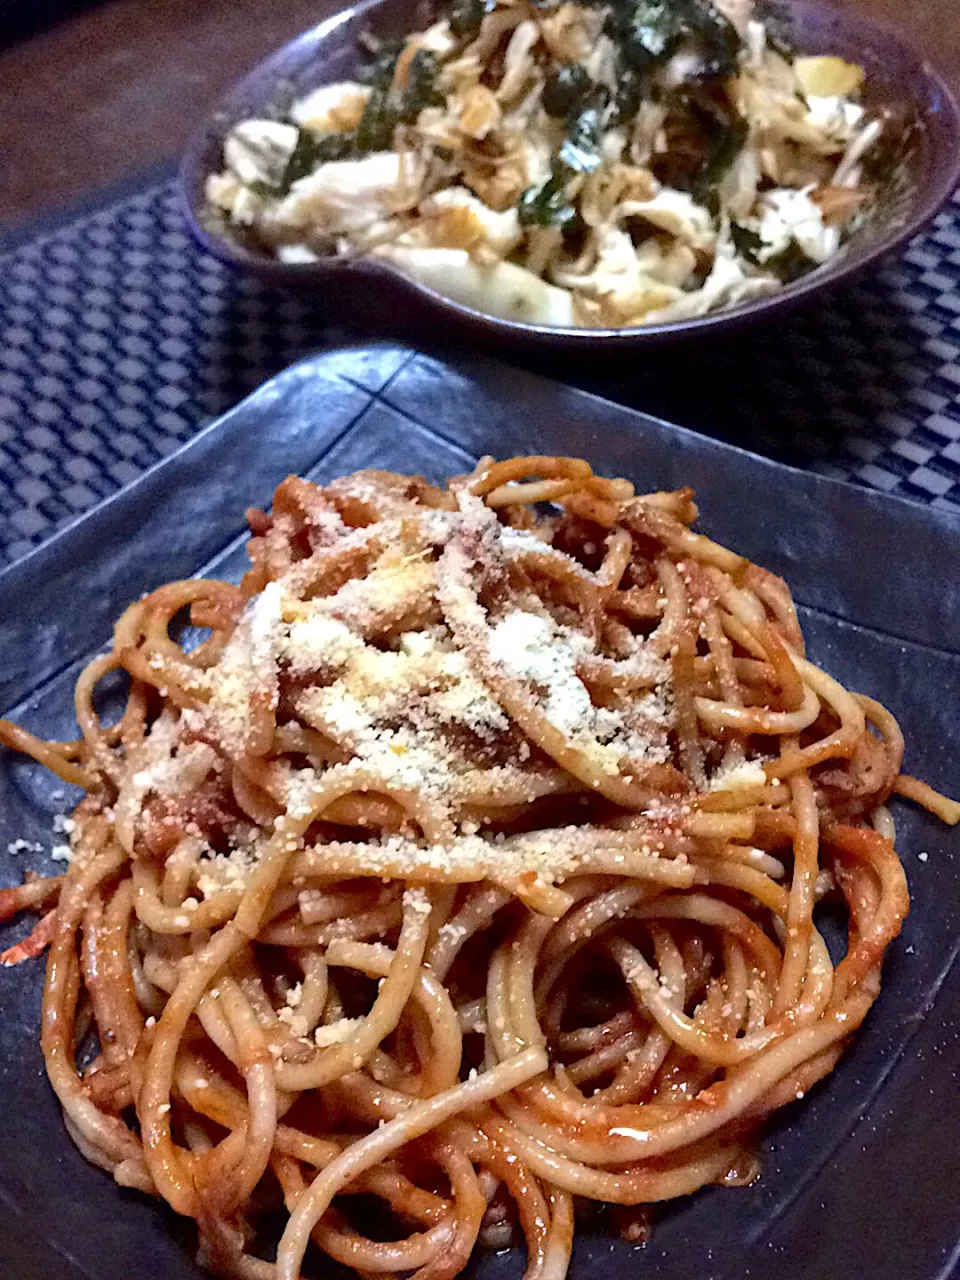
{"x":119,"y":339}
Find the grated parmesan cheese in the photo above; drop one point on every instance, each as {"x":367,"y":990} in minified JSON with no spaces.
{"x":416,"y":900}
{"x":318,"y":641}
{"x":408,"y":708}
{"x":550,"y":856}
{"x":535,"y":648}
{"x":336,"y":1032}
{"x":748,"y":773}
{"x":16,"y":847}
{"x":532,"y":647}
{"x":248,"y":668}
{"x":220,"y":871}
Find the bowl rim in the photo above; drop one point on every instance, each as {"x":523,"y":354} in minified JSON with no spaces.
{"x":943,"y":182}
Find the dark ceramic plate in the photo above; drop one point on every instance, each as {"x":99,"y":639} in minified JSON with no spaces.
{"x":858,"y":1180}
{"x":897,"y":76}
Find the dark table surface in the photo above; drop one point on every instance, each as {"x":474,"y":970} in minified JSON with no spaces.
{"x":120,"y":84}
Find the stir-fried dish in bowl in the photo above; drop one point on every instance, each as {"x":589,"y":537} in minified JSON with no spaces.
{"x":608,"y":165}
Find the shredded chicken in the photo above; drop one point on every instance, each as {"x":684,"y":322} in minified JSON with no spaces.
{"x":569,"y":164}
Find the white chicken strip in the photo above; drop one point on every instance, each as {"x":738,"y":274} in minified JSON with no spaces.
{"x":438,"y":39}
{"x":350,"y":195}
{"x":835,"y":116}
{"x":227,"y":193}
{"x":501,"y":231}
{"x":517,"y":62}
{"x":326,"y":109}
{"x":629,"y":287}
{"x":737,"y":12}
{"x":679,"y":214}
{"x":787,"y":216}
{"x":726,"y":285}
{"x":504,"y":290}
{"x":296,"y":254}
{"x":740,"y":184}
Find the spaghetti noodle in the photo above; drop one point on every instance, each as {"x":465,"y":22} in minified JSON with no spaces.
{"x":468,"y":870}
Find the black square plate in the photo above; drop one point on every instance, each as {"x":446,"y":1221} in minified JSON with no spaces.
{"x":859,"y":1180}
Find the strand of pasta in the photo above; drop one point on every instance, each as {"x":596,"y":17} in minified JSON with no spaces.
{"x":375,"y":997}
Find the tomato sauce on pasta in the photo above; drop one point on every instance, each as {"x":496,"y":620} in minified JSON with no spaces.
{"x":468,"y":870}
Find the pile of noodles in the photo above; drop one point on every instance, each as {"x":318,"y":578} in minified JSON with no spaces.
{"x":469,"y":871}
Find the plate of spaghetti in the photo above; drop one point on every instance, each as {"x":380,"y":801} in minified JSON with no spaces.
{"x":479,"y":872}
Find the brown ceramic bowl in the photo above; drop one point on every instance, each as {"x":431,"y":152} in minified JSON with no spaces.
{"x":898,"y":78}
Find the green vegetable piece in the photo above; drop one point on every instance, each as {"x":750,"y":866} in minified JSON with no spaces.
{"x":565,"y":90}
{"x":629,"y":95}
{"x":547,"y":206}
{"x":748,"y":244}
{"x":375,"y":130}
{"x":649,"y":32}
{"x":421,"y":90}
{"x":726,"y":143}
{"x":336,"y":146}
{"x":386,"y":109}
{"x":580,"y":150}
{"x":787,"y":266}
{"x":303,"y":160}
{"x":379,"y":72}
{"x":646,"y":31}
{"x":466,"y":16}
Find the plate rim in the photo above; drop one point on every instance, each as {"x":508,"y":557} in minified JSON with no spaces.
{"x":935,"y":515}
